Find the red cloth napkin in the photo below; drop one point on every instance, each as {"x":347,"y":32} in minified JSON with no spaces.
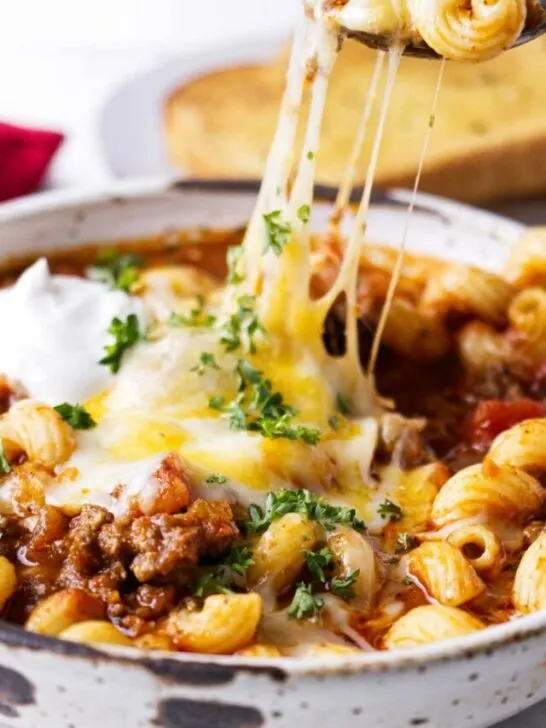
{"x":25,"y":155}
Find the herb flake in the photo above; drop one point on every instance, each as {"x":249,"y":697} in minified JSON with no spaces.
{"x":304,"y":214}
{"x":278,"y":232}
{"x":5,"y":465}
{"x":390,"y":511}
{"x":233,"y":257}
{"x":118,"y":270}
{"x":318,"y":561}
{"x":279,"y":503}
{"x":126,"y":334}
{"x":343,"y":587}
{"x":216,"y":479}
{"x":305,"y":604}
{"x":76,"y":416}
{"x":206,"y":361}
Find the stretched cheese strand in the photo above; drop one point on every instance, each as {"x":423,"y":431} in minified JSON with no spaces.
{"x":395,"y":278}
{"x":273,"y":189}
{"x":352,"y":254}
{"x":347,"y":183}
{"x":290,"y":282}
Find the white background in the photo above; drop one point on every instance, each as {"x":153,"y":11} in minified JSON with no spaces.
{"x":61,"y":59}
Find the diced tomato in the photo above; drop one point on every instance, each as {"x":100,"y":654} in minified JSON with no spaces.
{"x":492,"y":417}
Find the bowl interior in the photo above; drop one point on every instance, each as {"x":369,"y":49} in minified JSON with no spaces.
{"x":136,"y":210}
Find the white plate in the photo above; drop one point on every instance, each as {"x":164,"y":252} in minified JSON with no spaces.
{"x":131,"y":123}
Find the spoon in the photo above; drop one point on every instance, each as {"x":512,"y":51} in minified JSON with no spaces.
{"x":534,"y":27}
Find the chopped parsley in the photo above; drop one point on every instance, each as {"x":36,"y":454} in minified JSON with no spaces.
{"x":235,"y":414}
{"x":240,"y":559}
{"x":310,"y":155}
{"x":206,"y":360}
{"x":76,"y":415}
{"x":389,"y":510}
{"x":344,"y":404}
{"x":316,"y":508}
{"x":343,"y":587}
{"x":318,"y":561}
{"x":305,"y":604}
{"x":197,"y":317}
{"x":216,"y":478}
{"x":5,"y":466}
{"x":126,"y":334}
{"x":333,"y":421}
{"x":304,"y":214}
{"x":211,"y":583}
{"x":282,"y":428}
{"x":257,"y":408}
{"x":233,"y":257}
{"x":278,"y":232}
{"x":408,"y":581}
{"x":118,"y":270}
{"x":239,"y":330}
{"x":220,"y":578}
{"x":405,"y":542}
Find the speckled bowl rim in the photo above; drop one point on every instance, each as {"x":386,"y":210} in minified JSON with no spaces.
{"x":482,"y":643}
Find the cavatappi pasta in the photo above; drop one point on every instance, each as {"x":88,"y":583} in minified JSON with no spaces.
{"x":473,"y":32}
{"x":320,"y":533}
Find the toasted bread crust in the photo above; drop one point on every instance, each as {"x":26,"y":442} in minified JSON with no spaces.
{"x":489,"y":141}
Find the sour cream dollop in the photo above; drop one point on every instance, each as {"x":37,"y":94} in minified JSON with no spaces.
{"x":54,"y":329}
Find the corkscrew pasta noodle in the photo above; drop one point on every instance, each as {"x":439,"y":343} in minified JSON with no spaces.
{"x":474,"y":33}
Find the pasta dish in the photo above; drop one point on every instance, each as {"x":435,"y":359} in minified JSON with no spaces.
{"x":317,"y":447}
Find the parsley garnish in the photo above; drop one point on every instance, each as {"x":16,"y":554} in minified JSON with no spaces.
{"x":240,"y":559}
{"x":343,"y":587}
{"x":216,"y":478}
{"x":118,"y":270}
{"x":305,"y":604}
{"x":344,"y":404}
{"x":126,"y":334}
{"x":304,"y":214}
{"x":5,"y":466}
{"x":333,"y":421}
{"x":257,"y":408}
{"x":205,"y":360}
{"x":317,"y":561}
{"x":197,"y":318}
{"x":405,"y":542}
{"x":408,"y":581}
{"x":242,"y":326}
{"x":235,"y":414}
{"x":302,"y":501}
{"x":390,"y":510}
{"x":278,"y":232}
{"x":310,"y":155}
{"x":76,"y":415}
{"x":233,"y":257}
{"x":282,"y":428}
{"x":211,"y":583}
{"x":219,"y":579}
{"x":217,"y":402}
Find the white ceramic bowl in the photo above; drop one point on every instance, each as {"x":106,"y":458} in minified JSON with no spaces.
{"x":469,"y":683}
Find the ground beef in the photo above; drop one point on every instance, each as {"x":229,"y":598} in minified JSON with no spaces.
{"x":139,"y":566}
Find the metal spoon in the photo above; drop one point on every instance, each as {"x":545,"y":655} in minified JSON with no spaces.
{"x":534,"y":27}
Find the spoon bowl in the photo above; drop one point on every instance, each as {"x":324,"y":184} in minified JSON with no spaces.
{"x":534,"y":28}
